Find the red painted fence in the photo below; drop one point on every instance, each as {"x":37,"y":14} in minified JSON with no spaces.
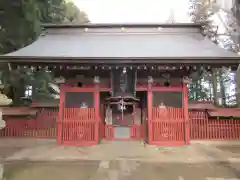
{"x":81,"y":127}
{"x":167,"y":126}
{"x":41,"y":126}
{"x":203,"y":128}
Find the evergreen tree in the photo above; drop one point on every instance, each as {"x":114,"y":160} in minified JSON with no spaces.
{"x":20,"y":25}
{"x":220,"y":80}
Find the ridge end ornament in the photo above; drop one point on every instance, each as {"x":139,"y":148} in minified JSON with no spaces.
{"x":150,"y":79}
{"x":96,"y":80}
{"x":186,"y":80}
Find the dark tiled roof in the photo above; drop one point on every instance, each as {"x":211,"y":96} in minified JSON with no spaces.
{"x":201,"y":105}
{"x":51,"y":104}
{"x":225,"y":112}
{"x":214,"y":111}
{"x":133,"y":42}
{"x":18,"y":111}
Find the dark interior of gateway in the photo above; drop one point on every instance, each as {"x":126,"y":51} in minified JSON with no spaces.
{"x":169,"y":99}
{"x":124,"y":114}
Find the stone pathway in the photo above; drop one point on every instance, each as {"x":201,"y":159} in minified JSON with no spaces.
{"x":120,"y":150}
{"x":120,"y":170}
{"x":47,"y":150}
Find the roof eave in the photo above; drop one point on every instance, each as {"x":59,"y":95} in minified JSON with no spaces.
{"x":122,"y":60}
{"x":126,"y":25}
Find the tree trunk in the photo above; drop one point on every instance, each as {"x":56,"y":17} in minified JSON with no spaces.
{"x":197,"y":92}
{"x":18,"y":93}
{"x":222,"y":88}
{"x":210,"y":91}
{"x":214,"y":85}
{"x":238,"y":86}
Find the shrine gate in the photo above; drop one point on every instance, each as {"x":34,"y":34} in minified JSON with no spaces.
{"x":117,"y":76}
{"x":86,"y":125}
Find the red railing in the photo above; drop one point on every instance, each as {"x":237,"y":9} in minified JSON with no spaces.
{"x":79,"y":132}
{"x":137,"y":131}
{"x":41,"y":126}
{"x":167,"y":126}
{"x":79,"y":114}
{"x":80,"y":126}
{"x":203,"y":128}
{"x":159,"y":114}
{"x":109,"y":132}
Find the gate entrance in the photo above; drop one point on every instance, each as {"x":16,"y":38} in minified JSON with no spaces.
{"x":160,"y":115}
{"x":122,"y":120}
{"x":125,"y":120}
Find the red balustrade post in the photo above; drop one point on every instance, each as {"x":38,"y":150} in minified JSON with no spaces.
{"x":60,"y":119}
{"x":186,"y":113}
{"x":97,"y":107}
{"x":150,"y":109}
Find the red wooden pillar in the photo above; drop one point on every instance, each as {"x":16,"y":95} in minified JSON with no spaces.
{"x":134,"y":113}
{"x":150,"y":107}
{"x":97,"y":106}
{"x":61,"y":117}
{"x":186,"y":113}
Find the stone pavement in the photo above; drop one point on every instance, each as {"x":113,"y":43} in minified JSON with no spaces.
{"x":44,"y":150}
{"x":120,"y":170}
{"x":119,"y":160}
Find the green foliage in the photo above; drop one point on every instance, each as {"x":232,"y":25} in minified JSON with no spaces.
{"x":60,"y":11}
{"x":15,"y":81}
{"x":20,"y":20}
{"x":20,"y":25}
{"x":197,"y":91}
{"x":40,"y":80}
{"x":216,"y":86}
{"x":73,"y":14}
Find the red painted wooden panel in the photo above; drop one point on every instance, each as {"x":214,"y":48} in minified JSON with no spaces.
{"x":137,"y":132}
{"x":80,"y":127}
{"x":109,"y":132}
{"x":167,"y":126}
{"x":79,"y":114}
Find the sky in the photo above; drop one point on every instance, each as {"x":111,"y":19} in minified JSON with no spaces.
{"x":134,"y":11}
